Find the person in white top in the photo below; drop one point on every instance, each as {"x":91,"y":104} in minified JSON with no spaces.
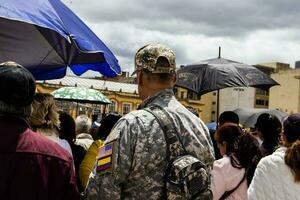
{"x":83,"y":136}
{"x":232,"y":174}
{"x":277,"y":176}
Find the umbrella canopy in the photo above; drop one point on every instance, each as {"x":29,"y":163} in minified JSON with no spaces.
{"x":46,"y":37}
{"x":81,"y":95}
{"x":218,"y":73}
{"x":248,"y":117}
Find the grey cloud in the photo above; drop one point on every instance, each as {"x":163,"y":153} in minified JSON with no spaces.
{"x":195,"y":28}
{"x":211,"y":18}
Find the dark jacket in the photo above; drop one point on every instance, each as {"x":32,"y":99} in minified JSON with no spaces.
{"x":78,"y":155}
{"x":33,"y":167}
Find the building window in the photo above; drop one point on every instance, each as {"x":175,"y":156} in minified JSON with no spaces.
{"x":261,"y":92}
{"x":192,"y":95}
{"x":267,"y":103}
{"x":97,"y":109}
{"x":65,"y":106}
{"x":82,"y":110}
{"x":126,"y":108}
{"x":213,"y":103}
{"x":214,"y":93}
{"x":260,"y":102}
{"x":112,"y":107}
{"x":182,"y":95}
{"x":213,"y":112}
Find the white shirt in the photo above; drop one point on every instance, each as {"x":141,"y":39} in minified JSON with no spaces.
{"x":273,"y":179}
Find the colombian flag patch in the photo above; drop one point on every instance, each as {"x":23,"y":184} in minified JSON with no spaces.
{"x":104,"y":158}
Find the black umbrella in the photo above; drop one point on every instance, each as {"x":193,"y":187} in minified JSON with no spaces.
{"x":218,"y":73}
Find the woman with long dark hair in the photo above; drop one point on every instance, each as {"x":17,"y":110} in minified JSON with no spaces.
{"x":277,"y":176}
{"x":232,"y":174}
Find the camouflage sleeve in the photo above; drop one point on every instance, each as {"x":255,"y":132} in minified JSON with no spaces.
{"x":106,"y":184}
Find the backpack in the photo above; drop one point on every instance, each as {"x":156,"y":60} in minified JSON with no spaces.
{"x":186,"y":177}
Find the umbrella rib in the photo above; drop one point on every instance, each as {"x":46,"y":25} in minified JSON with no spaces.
{"x":52,"y":49}
{"x":49,"y":54}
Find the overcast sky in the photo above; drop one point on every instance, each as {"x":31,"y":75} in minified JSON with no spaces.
{"x":249,"y":31}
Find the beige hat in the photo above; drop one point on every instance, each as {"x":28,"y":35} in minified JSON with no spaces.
{"x":148,"y":56}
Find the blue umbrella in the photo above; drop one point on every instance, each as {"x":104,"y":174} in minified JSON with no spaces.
{"x":46,"y":37}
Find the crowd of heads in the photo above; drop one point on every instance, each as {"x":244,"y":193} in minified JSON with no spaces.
{"x":246,"y":148}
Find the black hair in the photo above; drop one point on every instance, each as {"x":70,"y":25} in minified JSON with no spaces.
{"x":270,"y":127}
{"x":228,"y":116}
{"x":67,"y":129}
{"x":107,"y":123}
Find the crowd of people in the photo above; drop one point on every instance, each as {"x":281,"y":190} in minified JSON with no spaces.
{"x":162,"y":150}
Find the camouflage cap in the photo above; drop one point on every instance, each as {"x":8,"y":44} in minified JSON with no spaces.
{"x":148,"y":56}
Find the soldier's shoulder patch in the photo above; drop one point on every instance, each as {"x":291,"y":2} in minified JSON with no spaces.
{"x":105,"y":160}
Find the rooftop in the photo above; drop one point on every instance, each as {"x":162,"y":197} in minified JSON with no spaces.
{"x":93,"y":83}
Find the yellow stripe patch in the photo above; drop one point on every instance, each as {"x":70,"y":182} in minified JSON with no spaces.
{"x":104,"y":161}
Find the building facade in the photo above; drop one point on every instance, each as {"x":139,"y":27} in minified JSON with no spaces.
{"x":124,"y":96}
{"x":286,"y":96}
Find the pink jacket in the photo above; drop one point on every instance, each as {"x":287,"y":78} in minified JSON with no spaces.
{"x":225,"y":177}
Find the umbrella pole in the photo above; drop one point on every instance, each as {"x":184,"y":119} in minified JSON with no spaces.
{"x":104,"y":111}
{"x":77,"y":109}
{"x":218,"y":100}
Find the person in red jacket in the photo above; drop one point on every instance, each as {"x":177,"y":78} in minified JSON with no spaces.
{"x":32,"y":166}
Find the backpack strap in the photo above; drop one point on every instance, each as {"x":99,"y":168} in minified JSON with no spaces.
{"x":227,"y":193}
{"x":174,"y":144}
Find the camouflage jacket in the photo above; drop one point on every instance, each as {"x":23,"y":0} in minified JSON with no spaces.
{"x":139,"y":153}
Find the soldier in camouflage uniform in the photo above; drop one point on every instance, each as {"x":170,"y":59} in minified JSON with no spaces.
{"x":132,"y":163}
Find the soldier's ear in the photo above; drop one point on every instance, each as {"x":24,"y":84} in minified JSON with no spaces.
{"x":174,"y":78}
{"x":139,"y":77}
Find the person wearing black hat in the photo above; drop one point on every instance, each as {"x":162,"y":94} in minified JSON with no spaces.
{"x":32,"y":166}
